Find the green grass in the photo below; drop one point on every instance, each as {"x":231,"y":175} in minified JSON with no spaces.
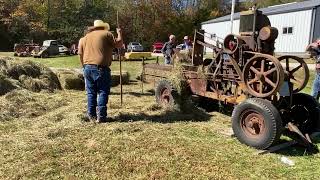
{"x":133,"y":67}
{"x":46,"y":139}
{"x":143,"y":142}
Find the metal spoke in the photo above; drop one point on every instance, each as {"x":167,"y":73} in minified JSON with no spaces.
{"x":254,"y":70}
{"x":253,"y":81}
{"x":296,"y":69}
{"x":270,"y":71}
{"x":262,"y":66}
{"x":287,"y":64}
{"x":261,"y":87}
{"x":270,"y":82}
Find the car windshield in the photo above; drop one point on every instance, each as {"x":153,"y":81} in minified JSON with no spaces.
{"x":135,"y":44}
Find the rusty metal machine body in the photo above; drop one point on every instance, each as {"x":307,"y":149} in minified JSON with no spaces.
{"x":245,"y":73}
{"x":24,"y":48}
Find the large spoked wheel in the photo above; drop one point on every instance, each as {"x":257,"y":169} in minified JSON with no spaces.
{"x":263,"y":75}
{"x":296,"y":71}
{"x":164,"y":93}
{"x":304,"y":112}
{"x":257,"y":123}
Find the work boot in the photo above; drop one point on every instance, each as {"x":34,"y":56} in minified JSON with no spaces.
{"x":86,"y":118}
{"x":101,"y":120}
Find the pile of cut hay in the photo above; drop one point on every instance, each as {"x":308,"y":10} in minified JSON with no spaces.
{"x":115,"y":78}
{"x":24,"y":74}
{"x":71,"y":80}
{"x":23,"y":103}
{"x":182,"y":96}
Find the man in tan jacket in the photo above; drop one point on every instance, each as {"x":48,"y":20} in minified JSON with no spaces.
{"x":95,"y":51}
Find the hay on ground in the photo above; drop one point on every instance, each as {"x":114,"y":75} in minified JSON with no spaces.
{"x":26,"y":74}
{"x":115,"y":78}
{"x":6,"y":85}
{"x":71,"y":80}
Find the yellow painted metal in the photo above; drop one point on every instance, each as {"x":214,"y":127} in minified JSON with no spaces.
{"x":137,"y":55}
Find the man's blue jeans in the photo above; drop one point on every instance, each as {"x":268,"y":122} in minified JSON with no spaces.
{"x":98,"y":82}
{"x":167,"y":60}
{"x":316,"y":87}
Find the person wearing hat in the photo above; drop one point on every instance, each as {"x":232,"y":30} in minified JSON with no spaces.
{"x":95,"y":51}
{"x":314,"y":48}
{"x":168,"y":49}
{"x":186,"y":43}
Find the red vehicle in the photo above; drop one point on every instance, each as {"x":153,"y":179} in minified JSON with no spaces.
{"x":157,"y":46}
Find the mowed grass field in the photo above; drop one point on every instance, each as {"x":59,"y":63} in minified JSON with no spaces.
{"x":47,"y":139}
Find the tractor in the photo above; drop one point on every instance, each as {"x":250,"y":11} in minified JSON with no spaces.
{"x":264,"y":90}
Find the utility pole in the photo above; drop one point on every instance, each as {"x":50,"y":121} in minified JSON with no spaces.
{"x":232,"y":14}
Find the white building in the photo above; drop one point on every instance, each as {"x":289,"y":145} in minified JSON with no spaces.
{"x":298,"y":24}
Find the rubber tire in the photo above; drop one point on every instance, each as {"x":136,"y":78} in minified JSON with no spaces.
{"x":44,"y":55}
{"x":272,"y":120}
{"x":162,"y":84}
{"x":312,"y":106}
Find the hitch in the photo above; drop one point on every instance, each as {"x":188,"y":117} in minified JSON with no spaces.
{"x":302,"y":139}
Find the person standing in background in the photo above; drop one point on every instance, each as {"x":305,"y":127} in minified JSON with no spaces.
{"x":168,"y":49}
{"x":187,"y":43}
{"x":314,"y":48}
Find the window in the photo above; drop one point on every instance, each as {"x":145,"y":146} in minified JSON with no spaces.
{"x":287,"y":30}
{"x":54,"y":43}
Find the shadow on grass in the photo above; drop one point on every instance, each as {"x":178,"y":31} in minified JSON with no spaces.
{"x":167,"y":116}
{"x":298,"y":149}
{"x":136,"y":94}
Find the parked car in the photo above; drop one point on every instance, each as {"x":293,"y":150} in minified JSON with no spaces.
{"x":63,"y":49}
{"x":156,"y":47}
{"x":48,"y":48}
{"x":134,"y":47}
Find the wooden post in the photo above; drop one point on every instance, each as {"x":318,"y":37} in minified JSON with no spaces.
{"x":119,"y":57}
{"x":142,"y":75}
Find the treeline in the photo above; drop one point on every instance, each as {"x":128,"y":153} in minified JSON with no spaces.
{"x":146,"y":21}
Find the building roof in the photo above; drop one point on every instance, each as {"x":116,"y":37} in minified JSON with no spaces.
{"x":277,"y":9}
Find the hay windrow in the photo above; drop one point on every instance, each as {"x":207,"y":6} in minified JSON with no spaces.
{"x":23,"y":103}
{"x":71,"y":80}
{"x":5,"y":85}
{"x":115,"y":78}
{"x":17,"y":73}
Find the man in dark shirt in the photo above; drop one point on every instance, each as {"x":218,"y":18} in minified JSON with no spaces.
{"x":95,"y":50}
{"x":167,"y":49}
{"x":314,"y":48}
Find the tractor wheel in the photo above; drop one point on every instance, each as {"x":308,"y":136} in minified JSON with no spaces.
{"x":165,"y":93}
{"x":44,"y":55}
{"x":257,"y":123}
{"x":304,"y":112}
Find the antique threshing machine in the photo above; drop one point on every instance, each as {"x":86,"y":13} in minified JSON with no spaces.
{"x":244,"y":72}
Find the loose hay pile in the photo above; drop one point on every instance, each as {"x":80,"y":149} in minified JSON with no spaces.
{"x":183,"y":100}
{"x":115,"y":78}
{"x":23,"y":74}
{"x":71,"y":80}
